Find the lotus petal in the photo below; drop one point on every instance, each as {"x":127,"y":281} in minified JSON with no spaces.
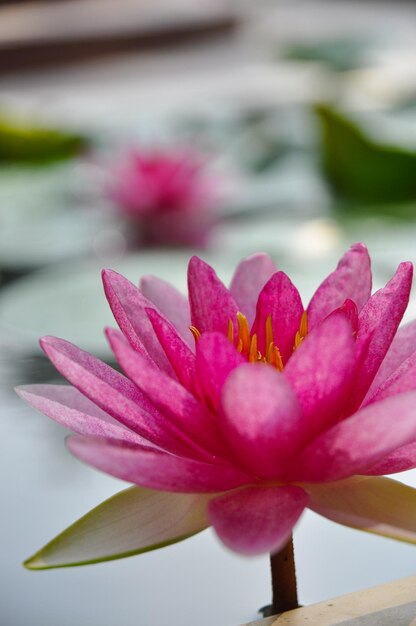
{"x":378,"y":324}
{"x":216,"y":358}
{"x":178,"y":352}
{"x":321,"y":372}
{"x":255,"y":520}
{"x":67,"y":406}
{"x":401,"y":460}
{"x":403,"y":379}
{"x":129,"y":309}
{"x":212,"y":305}
{"x":249,"y":278}
{"x":262,"y":419}
{"x":169,"y":301}
{"x":182,"y":409}
{"x":378,"y":505}
{"x":155,"y":470}
{"x":351,"y":280}
{"x":402,"y":346}
{"x":133,"y":521}
{"x":115,"y":394}
{"x":279,"y":299}
{"x":359,"y":442}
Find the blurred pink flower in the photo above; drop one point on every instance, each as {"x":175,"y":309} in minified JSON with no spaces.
{"x":270,"y":412}
{"x":167,"y":194}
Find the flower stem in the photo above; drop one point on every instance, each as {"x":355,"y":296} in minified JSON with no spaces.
{"x":284,"y":589}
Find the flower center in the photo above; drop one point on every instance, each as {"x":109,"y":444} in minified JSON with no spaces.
{"x":246,"y":343}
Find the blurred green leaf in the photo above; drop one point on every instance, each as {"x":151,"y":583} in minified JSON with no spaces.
{"x":361,"y":170}
{"x":35,"y":145}
{"x":349,"y":211}
{"x":340,"y":54}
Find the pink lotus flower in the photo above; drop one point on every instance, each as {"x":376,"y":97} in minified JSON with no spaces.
{"x":167,"y":195}
{"x":265,"y":409}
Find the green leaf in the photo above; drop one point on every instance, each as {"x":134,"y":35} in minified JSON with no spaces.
{"x":35,"y":145}
{"x":133,"y":521}
{"x":361,"y":170}
{"x":377,"y":505}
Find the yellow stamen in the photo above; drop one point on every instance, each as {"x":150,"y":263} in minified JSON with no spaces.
{"x":278,"y":362}
{"x":243,"y":333}
{"x":270,"y":354}
{"x":269,"y":332}
{"x":247,"y":345}
{"x":230,"y":333}
{"x":303,"y":330}
{"x":195,"y":333}
{"x":253,"y":353}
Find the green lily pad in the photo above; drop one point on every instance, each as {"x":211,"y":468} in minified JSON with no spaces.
{"x":133,"y":521}
{"x":350,"y":211}
{"x":361,"y":170}
{"x":36,"y":145}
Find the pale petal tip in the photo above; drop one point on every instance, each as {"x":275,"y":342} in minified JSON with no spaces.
{"x":114,"y":337}
{"x":106,"y":276}
{"x":20,"y":391}
{"x":49,"y":340}
{"x":107,"y":272}
{"x":258,"y":255}
{"x":145,"y":280}
{"x":48,"y":343}
{"x":73,"y":442}
{"x":24,"y":391}
{"x":35,"y":562}
{"x":359,"y":247}
{"x":406,"y":266}
{"x":76,"y":444}
{"x":109,"y":276}
{"x":111,"y":332}
{"x":195,"y":261}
